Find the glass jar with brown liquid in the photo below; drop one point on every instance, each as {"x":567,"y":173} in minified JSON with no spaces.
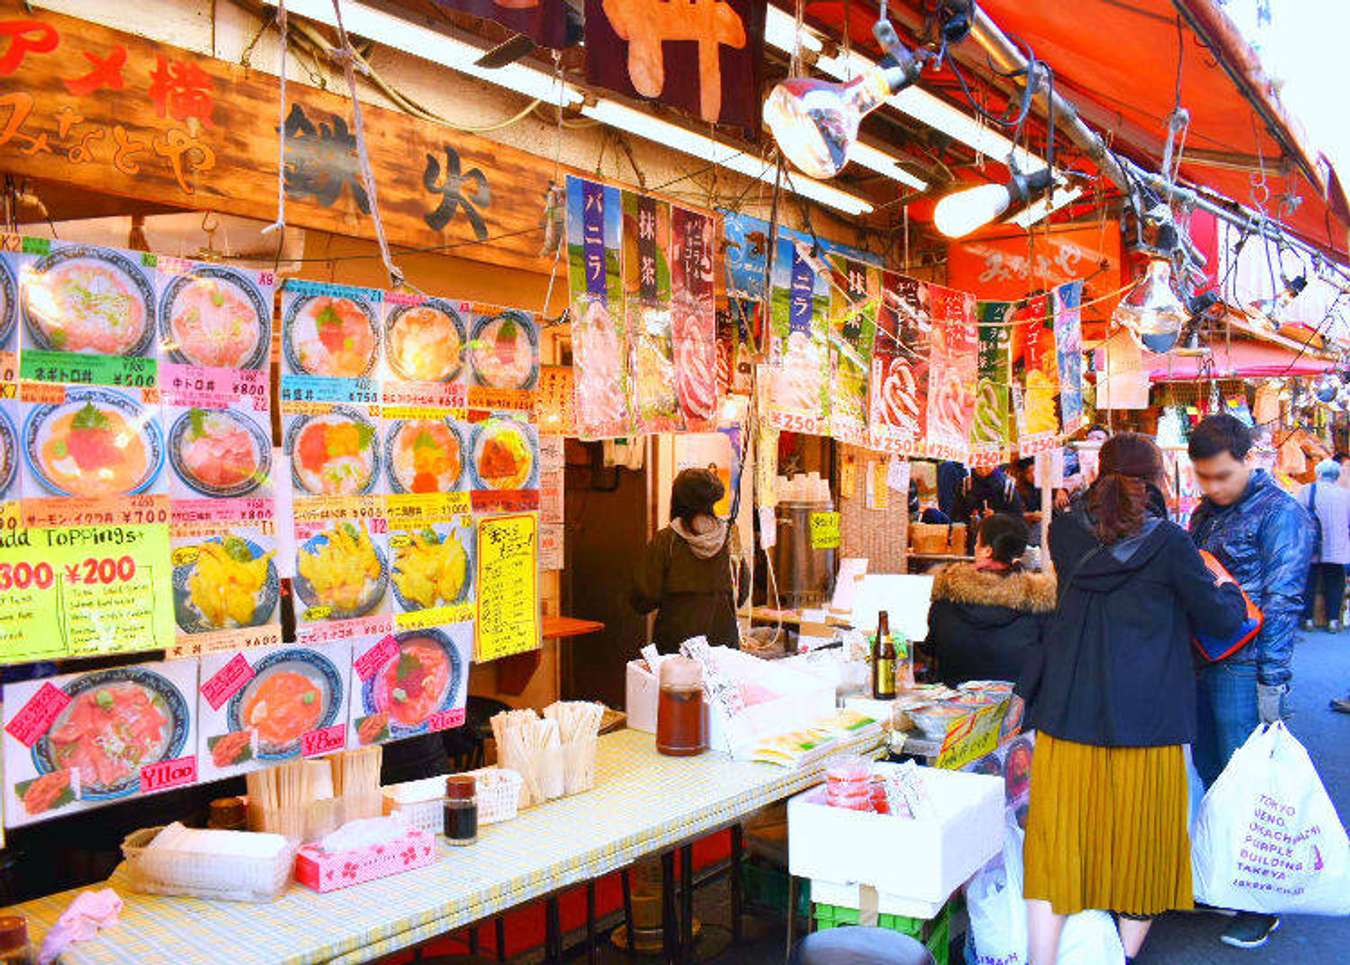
{"x":681,"y":727}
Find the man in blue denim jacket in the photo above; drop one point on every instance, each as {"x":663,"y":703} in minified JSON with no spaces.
{"x":1263,"y":537}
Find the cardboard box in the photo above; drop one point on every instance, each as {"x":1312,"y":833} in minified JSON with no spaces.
{"x":332,"y":870}
{"x":909,"y":859}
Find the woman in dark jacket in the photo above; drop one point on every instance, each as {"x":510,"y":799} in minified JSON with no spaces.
{"x":690,"y":573}
{"x":987,"y":617}
{"x":1113,"y":700}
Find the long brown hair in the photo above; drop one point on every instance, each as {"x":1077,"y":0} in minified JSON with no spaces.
{"x":1129,"y":462}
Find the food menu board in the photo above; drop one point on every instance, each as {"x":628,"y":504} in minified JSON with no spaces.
{"x":799,"y":355}
{"x":898,"y":389}
{"x":951,"y":372}
{"x":266,"y":705}
{"x":215,"y":325}
{"x":82,"y":740}
{"x":853,"y":323}
{"x":508,"y":573}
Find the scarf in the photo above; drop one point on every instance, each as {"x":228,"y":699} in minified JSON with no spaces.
{"x":703,"y":545}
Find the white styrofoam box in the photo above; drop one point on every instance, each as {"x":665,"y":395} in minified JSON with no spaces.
{"x":910,"y":858}
{"x":801,"y":700}
{"x":850,"y":896}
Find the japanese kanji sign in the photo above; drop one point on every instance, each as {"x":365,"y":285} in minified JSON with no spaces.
{"x":702,"y":56}
{"x":118,"y":114}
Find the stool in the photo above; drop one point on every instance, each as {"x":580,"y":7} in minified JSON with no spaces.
{"x":855,"y":945}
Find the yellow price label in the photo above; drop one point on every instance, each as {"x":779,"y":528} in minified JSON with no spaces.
{"x":824,"y":531}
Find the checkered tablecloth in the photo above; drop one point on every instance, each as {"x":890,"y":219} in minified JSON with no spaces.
{"x":642,"y":803}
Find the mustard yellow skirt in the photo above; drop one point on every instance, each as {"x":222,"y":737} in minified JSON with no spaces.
{"x":1107,"y":828}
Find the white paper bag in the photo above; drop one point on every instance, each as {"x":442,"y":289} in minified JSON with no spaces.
{"x":1268,"y":838}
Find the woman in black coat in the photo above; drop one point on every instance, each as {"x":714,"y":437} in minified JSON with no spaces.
{"x":987,"y":617}
{"x":1113,"y":700}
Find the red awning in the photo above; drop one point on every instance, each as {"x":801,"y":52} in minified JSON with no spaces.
{"x":1118,"y":61}
{"x":1243,"y":360}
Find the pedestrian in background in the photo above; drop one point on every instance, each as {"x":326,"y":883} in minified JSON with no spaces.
{"x":1326,"y":500}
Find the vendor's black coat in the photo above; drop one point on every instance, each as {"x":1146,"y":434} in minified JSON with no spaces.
{"x":984,"y":625}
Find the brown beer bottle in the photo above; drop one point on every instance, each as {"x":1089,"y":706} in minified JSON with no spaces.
{"x":883,"y":660}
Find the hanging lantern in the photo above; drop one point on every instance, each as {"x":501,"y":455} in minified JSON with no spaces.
{"x":1152,"y":312}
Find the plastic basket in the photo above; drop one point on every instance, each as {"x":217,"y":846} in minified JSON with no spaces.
{"x":164,"y":871}
{"x":419,"y":802}
{"x":498,"y":790}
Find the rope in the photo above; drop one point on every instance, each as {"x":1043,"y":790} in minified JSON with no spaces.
{"x":280,"y":224}
{"x":347,"y":57}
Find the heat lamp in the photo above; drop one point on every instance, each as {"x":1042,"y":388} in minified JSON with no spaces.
{"x":815,"y":122}
{"x":959,"y":214}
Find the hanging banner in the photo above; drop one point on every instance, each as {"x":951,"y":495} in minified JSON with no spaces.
{"x":704,"y":57}
{"x":951,"y":372}
{"x":799,"y":398}
{"x":735,"y":351}
{"x":695,"y":322}
{"x":1069,"y":351}
{"x":508,"y":580}
{"x":543,"y":21}
{"x":853,"y":324}
{"x":1122,"y":379}
{"x":1036,"y":374}
{"x":599,"y":335}
{"x":646,"y":289}
{"x":991,"y":435}
{"x":898,"y":389}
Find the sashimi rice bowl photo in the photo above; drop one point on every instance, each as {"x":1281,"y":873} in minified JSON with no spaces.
{"x":335,"y":454}
{"x":99,"y":442}
{"x":219,"y":452}
{"x":505,"y":351}
{"x":422,"y":678}
{"x":424,"y":456}
{"x":330,"y":336}
{"x":292,"y":692}
{"x":117,"y":722}
{"x":425,"y":342}
{"x":90,"y":300}
{"x":215,"y":316}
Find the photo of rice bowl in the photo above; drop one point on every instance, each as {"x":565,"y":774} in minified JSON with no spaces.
{"x":117,"y":722}
{"x":425,"y":342}
{"x":9,"y":454}
{"x":504,"y":352}
{"x":432,"y":566}
{"x":293,"y":691}
{"x":215,"y":316}
{"x":330,"y":336}
{"x":505,"y":455}
{"x":99,"y":442}
{"x":82,"y":298}
{"x":9,"y":304}
{"x":341,"y":573}
{"x":228,"y":582}
{"x":335,"y":454}
{"x":424,"y":677}
{"x":424,"y":456}
{"x":219,"y":452}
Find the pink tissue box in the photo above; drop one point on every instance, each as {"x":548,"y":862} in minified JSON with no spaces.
{"x":331,"y":870}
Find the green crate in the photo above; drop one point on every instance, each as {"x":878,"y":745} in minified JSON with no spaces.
{"x":934,"y":932}
{"x":766,"y":885}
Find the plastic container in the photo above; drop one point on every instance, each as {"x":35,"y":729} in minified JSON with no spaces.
{"x":681,"y":729}
{"x":164,"y":871}
{"x":460,"y":810}
{"x":419,"y":802}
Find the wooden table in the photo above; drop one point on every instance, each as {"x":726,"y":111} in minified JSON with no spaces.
{"x":643,"y":804}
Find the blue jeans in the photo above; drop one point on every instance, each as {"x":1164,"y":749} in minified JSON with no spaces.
{"x":1226,"y":704}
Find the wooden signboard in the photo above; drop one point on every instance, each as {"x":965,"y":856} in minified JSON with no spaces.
{"x":119,"y":114}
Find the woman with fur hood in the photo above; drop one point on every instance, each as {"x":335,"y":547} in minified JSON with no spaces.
{"x":987,"y":616}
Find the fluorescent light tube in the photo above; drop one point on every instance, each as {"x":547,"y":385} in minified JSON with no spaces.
{"x":706,"y":149}
{"x":882,"y":163}
{"x":437,"y":47}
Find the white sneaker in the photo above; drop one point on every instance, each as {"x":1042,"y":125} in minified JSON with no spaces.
{"x":1334,"y":626}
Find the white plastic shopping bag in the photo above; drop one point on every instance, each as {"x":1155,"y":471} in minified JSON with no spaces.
{"x":1268,"y":838}
{"x":998,"y":917}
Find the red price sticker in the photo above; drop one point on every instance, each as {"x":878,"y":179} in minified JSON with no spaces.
{"x":225,"y":682}
{"x":446,"y":719}
{"x":323,"y":741}
{"x":36,"y":716}
{"x":167,"y":774}
{"x":369,"y":663}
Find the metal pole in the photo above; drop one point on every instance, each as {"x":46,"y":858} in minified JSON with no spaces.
{"x":1125,"y":174}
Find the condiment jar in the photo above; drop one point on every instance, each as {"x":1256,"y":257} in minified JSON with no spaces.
{"x":228,"y":814}
{"x":460,"y":810}
{"x":14,"y":946}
